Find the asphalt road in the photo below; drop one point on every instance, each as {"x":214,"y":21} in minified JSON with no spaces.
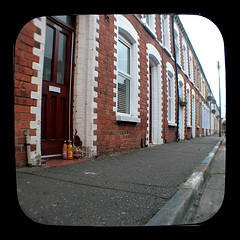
{"x":124,"y":189}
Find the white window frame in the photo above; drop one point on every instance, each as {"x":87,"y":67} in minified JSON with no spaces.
{"x":203,"y":87}
{"x":126,"y":31}
{"x":189,"y":110}
{"x":123,"y":74}
{"x":193,"y":114}
{"x":203,"y":118}
{"x":170,"y":97}
{"x":177,"y":45}
{"x":146,"y":19}
{"x":172,"y":118}
{"x":200,"y":83}
{"x":191,"y":66}
{"x":150,"y":22}
{"x":165,"y":32}
{"x":185,"y":60}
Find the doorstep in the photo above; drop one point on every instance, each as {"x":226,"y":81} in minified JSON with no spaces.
{"x":61,"y":162}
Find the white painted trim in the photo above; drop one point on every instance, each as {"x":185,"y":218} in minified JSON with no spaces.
{"x":181,"y":109}
{"x":169,"y":67}
{"x":167,"y":45}
{"x":193,"y":114}
{"x":52,"y":155}
{"x":126,"y":29}
{"x":85,"y":75}
{"x":36,"y":154}
{"x":188,"y":107}
{"x":155,"y":60}
{"x":126,"y":118}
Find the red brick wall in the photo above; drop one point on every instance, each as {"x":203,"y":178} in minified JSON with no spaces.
{"x":169,"y":133}
{"x":24,"y":59}
{"x":113,"y":136}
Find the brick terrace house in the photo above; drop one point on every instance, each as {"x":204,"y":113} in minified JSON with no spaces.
{"x":110,"y":83}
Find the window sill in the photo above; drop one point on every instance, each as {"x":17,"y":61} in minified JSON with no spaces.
{"x":150,"y":30}
{"x":127,"y":118}
{"x":172,"y":124}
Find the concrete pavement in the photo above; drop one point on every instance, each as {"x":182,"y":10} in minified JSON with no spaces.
{"x":212,"y":196}
{"x":124,"y":189}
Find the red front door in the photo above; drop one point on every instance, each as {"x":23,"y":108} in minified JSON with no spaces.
{"x":55,"y":88}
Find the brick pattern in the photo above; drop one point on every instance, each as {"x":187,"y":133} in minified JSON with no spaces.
{"x":115,"y":136}
{"x":95,"y":86}
{"x":85,"y":85}
{"x":25,"y":70}
{"x":112,"y":136}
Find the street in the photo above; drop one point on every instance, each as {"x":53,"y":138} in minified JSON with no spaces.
{"x":124,"y":189}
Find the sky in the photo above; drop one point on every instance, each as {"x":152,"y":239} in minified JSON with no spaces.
{"x":208,"y":44}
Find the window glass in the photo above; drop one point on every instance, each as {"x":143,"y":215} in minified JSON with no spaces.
{"x":123,"y":95}
{"x":169,"y":109}
{"x":123,"y":57}
{"x":177,"y":46}
{"x":48,"y":54}
{"x":147,"y":16}
{"x":188,"y":107}
{"x":61,"y":58}
{"x":169,"y":87}
{"x":66,"y":18}
{"x":170,"y":100}
{"x":163,"y":32}
{"x":165,"y":26}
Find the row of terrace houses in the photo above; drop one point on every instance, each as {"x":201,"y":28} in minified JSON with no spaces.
{"x":109,"y":83}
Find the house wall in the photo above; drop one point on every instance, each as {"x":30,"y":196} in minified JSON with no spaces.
{"x":95,"y":120}
{"x":85,"y":84}
{"x":27,"y":89}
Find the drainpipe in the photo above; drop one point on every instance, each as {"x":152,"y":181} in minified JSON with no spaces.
{"x":70,"y":92}
{"x":175,"y":60}
{"x":164,"y":122}
{"x":26,"y":133}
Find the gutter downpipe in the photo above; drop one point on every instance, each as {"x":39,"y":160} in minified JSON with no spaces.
{"x":164,"y":119}
{"x":175,"y":60}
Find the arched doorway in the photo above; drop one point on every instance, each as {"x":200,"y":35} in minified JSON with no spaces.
{"x":155,"y":97}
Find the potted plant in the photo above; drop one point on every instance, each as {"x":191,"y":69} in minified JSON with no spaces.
{"x":182,"y":102}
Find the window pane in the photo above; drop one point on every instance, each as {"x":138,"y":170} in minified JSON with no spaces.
{"x":169,"y":109}
{"x":48,"y":54}
{"x":61,"y":58}
{"x":147,"y":16}
{"x":169,"y":97}
{"x":66,"y":18}
{"x":169,"y":88}
{"x":123,"y":57}
{"x":123,"y":105}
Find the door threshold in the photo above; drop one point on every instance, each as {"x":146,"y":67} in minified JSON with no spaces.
{"x":61,"y":162}
{"x":51,"y":156}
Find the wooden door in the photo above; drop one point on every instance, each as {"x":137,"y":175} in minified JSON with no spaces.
{"x":55,"y":88}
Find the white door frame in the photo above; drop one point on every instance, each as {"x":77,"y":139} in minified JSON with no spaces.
{"x":181,"y":109}
{"x":154,"y":60}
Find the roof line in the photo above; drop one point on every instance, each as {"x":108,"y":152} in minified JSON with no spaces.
{"x":190,"y":44}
